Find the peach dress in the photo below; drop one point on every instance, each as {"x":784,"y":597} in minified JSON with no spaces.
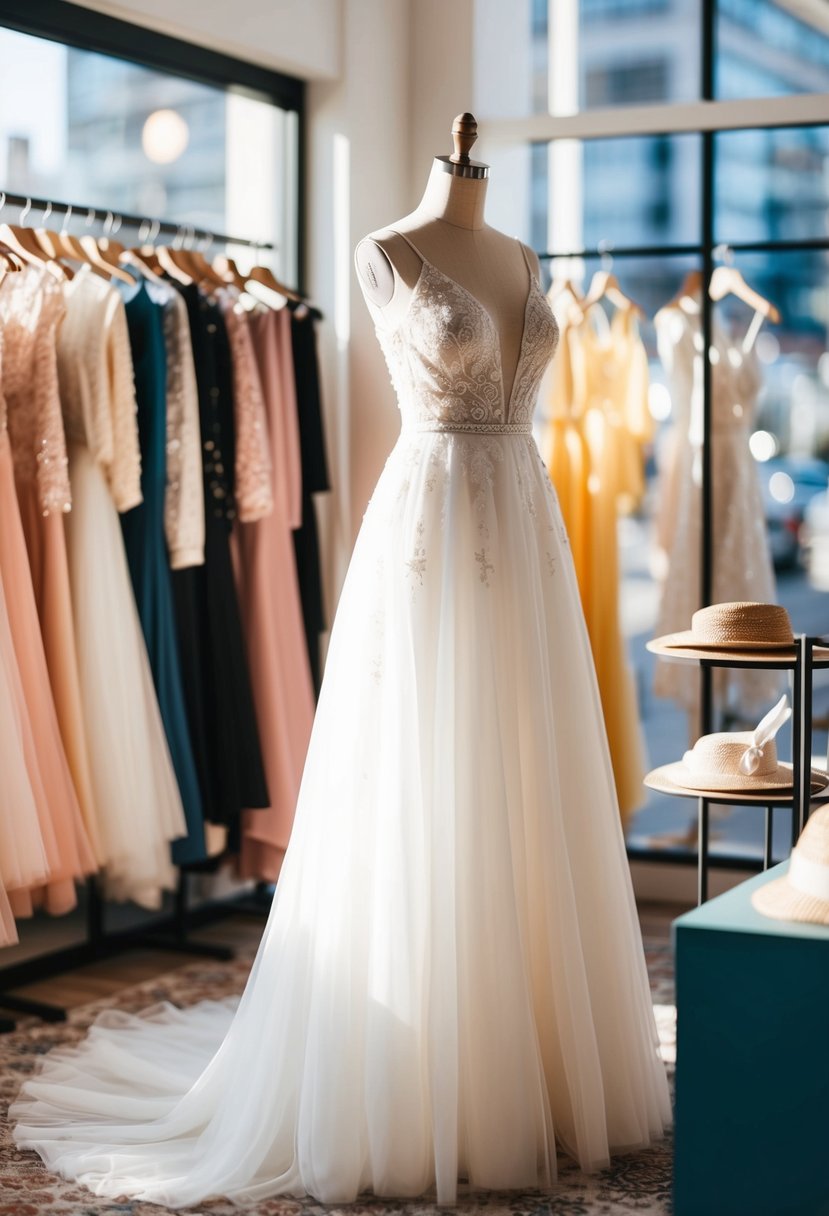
{"x":32,"y":308}
{"x":69,"y":852}
{"x":265,"y":404}
{"x":24,"y":861}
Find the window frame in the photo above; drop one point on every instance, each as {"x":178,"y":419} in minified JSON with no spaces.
{"x":89,"y":30}
{"x":705,"y":117}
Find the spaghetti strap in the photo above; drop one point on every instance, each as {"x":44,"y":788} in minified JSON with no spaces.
{"x":527,"y":262}
{"x":410,"y":243}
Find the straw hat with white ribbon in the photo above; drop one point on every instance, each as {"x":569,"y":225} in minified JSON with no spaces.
{"x":739,"y":762}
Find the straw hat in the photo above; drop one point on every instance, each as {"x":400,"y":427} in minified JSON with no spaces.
{"x":740,"y":762}
{"x":741,"y":626}
{"x":803,"y":892}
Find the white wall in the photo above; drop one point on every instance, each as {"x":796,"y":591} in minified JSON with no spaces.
{"x":358,"y":181}
{"x":301,"y":37}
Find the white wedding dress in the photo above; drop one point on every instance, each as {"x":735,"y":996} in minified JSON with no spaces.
{"x":452,"y":978}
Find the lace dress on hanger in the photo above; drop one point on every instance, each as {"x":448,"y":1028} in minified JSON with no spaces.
{"x":24,"y":818}
{"x":132,"y":773}
{"x":33,"y":559}
{"x":743,"y":567}
{"x":451,"y":981}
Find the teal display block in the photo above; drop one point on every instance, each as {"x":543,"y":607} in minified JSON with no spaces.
{"x":752,"y":1075}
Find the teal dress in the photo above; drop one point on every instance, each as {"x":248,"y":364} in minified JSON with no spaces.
{"x":148,"y":560}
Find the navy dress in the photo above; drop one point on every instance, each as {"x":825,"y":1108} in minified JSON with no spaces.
{"x":146,"y":547}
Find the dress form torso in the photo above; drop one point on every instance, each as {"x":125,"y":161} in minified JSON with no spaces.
{"x":447,"y":229}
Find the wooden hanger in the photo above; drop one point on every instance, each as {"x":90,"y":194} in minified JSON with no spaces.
{"x":206,"y":274}
{"x":264,"y":276}
{"x":144,"y":256}
{"x":173,"y":260}
{"x":11,"y":261}
{"x":23,"y":243}
{"x":566,"y":283}
{"x":105,"y":244}
{"x":227,"y":270}
{"x":728,"y":281}
{"x":605,"y":285}
{"x":88,"y":249}
{"x":68,"y":244}
{"x":689,"y":290}
{"x":48,"y":239}
{"x":188,"y":265}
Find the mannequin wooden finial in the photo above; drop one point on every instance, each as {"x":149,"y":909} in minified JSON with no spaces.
{"x":464,"y":134}
{"x":459,"y":164}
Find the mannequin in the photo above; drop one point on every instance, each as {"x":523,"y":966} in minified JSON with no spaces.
{"x":445,"y":989}
{"x":448,"y":228}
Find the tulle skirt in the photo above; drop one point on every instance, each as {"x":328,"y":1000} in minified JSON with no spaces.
{"x":134,"y":786}
{"x":451,"y":978}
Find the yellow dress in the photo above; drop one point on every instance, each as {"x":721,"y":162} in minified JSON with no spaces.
{"x":597,"y":425}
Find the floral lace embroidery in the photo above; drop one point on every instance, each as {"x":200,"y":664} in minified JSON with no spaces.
{"x":417,"y":563}
{"x":478,"y":460}
{"x":485,"y":565}
{"x":526,"y":495}
{"x":537,"y":348}
{"x":444,"y":361}
{"x":31,"y":308}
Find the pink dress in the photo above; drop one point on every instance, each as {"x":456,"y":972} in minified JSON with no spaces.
{"x":69,"y":852}
{"x":268,"y":586}
{"x":31,"y":309}
{"x":23,"y":856}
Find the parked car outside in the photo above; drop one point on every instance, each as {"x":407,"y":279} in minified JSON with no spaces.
{"x":789,"y":484}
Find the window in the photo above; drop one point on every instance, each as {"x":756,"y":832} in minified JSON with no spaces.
{"x":103,"y":131}
{"x":655,"y":201}
{"x":767,"y":48}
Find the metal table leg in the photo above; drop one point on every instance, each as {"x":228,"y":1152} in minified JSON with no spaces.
{"x":702,"y":852}
{"x":769,"y":829}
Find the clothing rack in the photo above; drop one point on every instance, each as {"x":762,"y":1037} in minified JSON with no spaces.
{"x":607,"y":250}
{"x":100,"y":214}
{"x":170,"y":931}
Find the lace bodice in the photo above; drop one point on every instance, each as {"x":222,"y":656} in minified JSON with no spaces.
{"x":97,"y":388}
{"x":31,"y":308}
{"x":445,"y":357}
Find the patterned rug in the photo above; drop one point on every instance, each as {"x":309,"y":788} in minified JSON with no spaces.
{"x":638,"y":1183}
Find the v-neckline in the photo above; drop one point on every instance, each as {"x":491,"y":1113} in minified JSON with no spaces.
{"x":425,"y":262}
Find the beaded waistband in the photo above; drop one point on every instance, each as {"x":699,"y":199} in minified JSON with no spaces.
{"x":470,"y":428}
